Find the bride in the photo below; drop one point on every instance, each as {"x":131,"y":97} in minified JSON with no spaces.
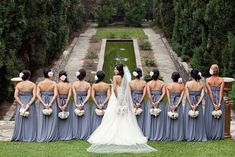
{"x":119,"y":131}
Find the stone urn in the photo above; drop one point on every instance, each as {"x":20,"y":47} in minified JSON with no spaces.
{"x":228,"y":82}
{"x":15,"y":81}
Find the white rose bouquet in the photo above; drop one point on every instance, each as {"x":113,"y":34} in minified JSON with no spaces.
{"x":173,"y":115}
{"x":47,"y":112}
{"x":193,"y":114}
{"x":99,"y":112}
{"x":155,"y":111}
{"x":79,"y":112}
{"x":216,"y":114}
{"x":63,"y":115}
{"x":24,"y":112}
{"x":138,"y":111}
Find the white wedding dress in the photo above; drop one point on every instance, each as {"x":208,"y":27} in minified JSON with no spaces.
{"x":119,"y":131}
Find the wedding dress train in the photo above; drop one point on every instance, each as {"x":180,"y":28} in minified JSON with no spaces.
{"x":119,"y":131}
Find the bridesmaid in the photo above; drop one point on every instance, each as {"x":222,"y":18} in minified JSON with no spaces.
{"x":46,"y":94}
{"x":63,"y":102}
{"x":100,"y":93}
{"x":194,"y":127}
{"x":175,"y":93}
{"x":214,"y":101}
{"x":25,"y":94}
{"x":138,"y":91}
{"x":155,"y":125}
{"x":81,"y":93}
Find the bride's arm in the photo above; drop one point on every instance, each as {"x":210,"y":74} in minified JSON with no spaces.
{"x":115,"y":86}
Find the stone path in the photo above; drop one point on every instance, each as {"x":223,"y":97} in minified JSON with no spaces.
{"x":79,"y":52}
{"x":163,"y":60}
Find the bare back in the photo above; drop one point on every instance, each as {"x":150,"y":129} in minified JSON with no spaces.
{"x":26,"y":86}
{"x":63,"y":87}
{"x":81,"y":85}
{"x":194,"y":85}
{"x":137,"y":84}
{"x":214,"y":81}
{"x":46,"y":85}
{"x":101,"y":87}
{"x":175,"y":87}
{"x":155,"y":84}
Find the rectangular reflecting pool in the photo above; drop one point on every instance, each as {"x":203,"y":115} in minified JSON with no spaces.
{"x":118,"y":51}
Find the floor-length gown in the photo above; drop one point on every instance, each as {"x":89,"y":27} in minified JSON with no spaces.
{"x":96,"y":119}
{"x":175,"y":127}
{"x":47,"y":125}
{"x":194,"y":127}
{"x":214,"y":126}
{"x":25,"y":127}
{"x":81,"y":124}
{"x":65,"y":125}
{"x":155,"y":125}
{"x":136,"y":96}
{"x":119,"y":131}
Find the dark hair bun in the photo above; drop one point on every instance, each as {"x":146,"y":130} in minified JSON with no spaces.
{"x":25,"y":74}
{"x":100,"y":76}
{"x":196,"y":74}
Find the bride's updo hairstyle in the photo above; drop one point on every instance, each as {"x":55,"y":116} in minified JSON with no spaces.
{"x":120,"y":69}
{"x":154,"y":74}
{"x":196,"y":74}
{"x":175,"y":76}
{"x":25,"y":75}
{"x":81,"y":74}
{"x":137,"y":73}
{"x":100,"y":75}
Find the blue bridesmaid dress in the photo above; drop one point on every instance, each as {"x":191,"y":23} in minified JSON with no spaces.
{"x":95,"y":119}
{"x":81,"y":124}
{"x":214,"y":127}
{"x":47,"y":125}
{"x":136,"y":96}
{"x":194,"y":127}
{"x":175,"y":127}
{"x":25,"y":127}
{"x":155,"y":126}
{"x":65,"y":125}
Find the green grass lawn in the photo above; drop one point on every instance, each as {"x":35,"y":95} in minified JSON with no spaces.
{"x":122,"y":32}
{"x":225,"y":148}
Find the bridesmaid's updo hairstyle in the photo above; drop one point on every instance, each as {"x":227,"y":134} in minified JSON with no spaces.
{"x":154,"y":74}
{"x":196,"y":74}
{"x":46,"y":71}
{"x":120,"y":69}
{"x":63,"y":76}
{"x":100,"y":75}
{"x":175,"y":76}
{"x":81,"y":74}
{"x":137,"y":73}
{"x":25,"y":75}
{"x":214,"y":70}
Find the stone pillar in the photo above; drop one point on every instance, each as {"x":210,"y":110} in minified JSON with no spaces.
{"x":228,"y":82}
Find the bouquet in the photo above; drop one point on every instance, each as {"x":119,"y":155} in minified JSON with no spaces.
{"x":63,"y":115}
{"x":99,"y":112}
{"x":216,"y":114}
{"x":155,"y":111}
{"x":24,"y":112}
{"x":172,"y":115}
{"x":122,"y":109}
{"x":138,"y":111}
{"x":47,"y":112}
{"x":193,"y":114}
{"x":79,"y":112}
